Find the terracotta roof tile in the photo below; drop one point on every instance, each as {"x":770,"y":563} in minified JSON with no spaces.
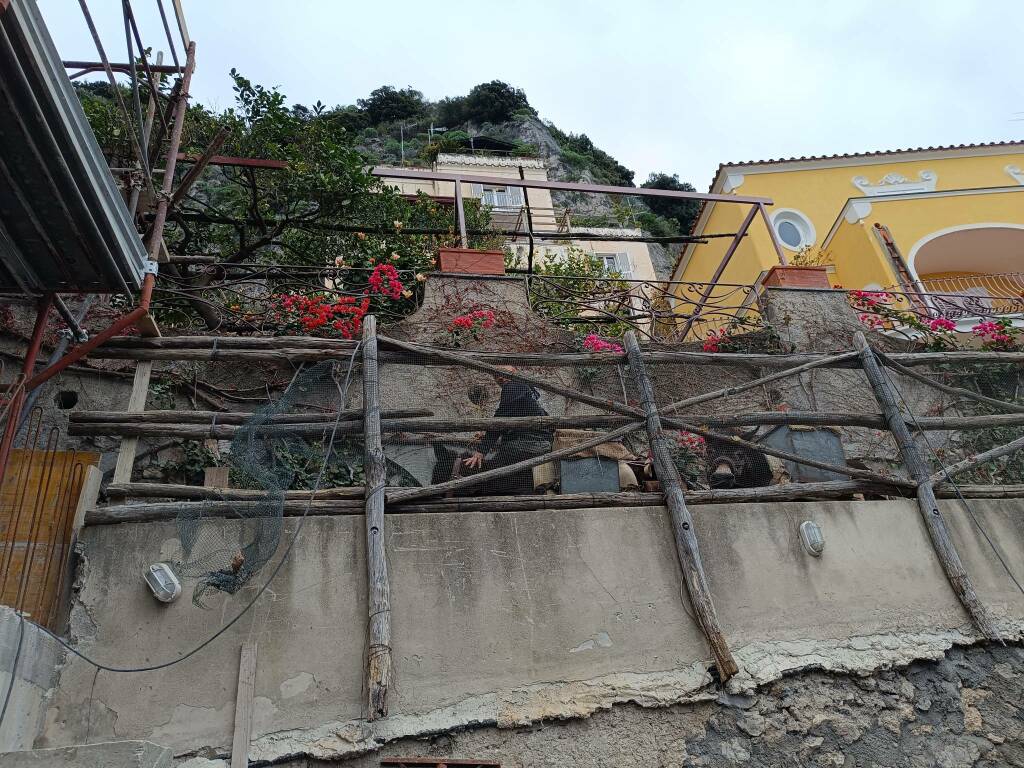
{"x":876,"y":153}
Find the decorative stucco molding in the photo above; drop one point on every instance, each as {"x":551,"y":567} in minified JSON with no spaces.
{"x":606,"y":231}
{"x":500,"y":161}
{"x":896,"y":184}
{"x":1015,"y":172}
{"x":732,"y":181}
{"x":857,"y":211}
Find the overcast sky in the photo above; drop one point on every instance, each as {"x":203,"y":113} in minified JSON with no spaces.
{"x":663,"y":86}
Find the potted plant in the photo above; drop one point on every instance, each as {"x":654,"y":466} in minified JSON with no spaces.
{"x":471,"y":261}
{"x":807,"y":269}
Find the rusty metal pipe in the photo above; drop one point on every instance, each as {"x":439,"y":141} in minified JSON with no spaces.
{"x":123,"y":322}
{"x":14,"y":412}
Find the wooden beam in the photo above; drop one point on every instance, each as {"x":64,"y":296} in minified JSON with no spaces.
{"x":136,"y":403}
{"x":239,"y":162}
{"x":977,"y":460}
{"x":231,"y":417}
{"x":954,"y":391}
{"x":333,"y":502}
{"x":378,"y":662}
{"x":193,"y":173}
{"x":130,"y":347}
{"x":682,"y":522}
{"x":627,"y":410}
{"x":710,"y":287}
{"x":917,"y":467}
{"x":175,"y":491}
{"x":497,"y":473}
{"x":244,"y":705}
{"x":142,"y":426}
{"x":689,"y":402}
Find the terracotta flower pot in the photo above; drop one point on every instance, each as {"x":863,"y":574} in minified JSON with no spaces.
{"x":470,"y":261}
{"x":797,"y":277}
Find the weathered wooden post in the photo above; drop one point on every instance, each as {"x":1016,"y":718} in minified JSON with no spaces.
{"x":682,"y":522}
{"x":378,"y":662}
{"x":917,"y":467}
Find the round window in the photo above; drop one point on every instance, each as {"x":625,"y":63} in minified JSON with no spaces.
{"x":789,"y":234}
{"x":793,"y":229}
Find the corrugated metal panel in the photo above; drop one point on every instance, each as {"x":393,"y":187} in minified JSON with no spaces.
{"x":63,"y":224}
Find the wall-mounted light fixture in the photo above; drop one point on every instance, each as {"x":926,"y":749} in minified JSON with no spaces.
{"x":163,"y":583}
{"x":812,"y":538}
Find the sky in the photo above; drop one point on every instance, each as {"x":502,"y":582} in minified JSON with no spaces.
{"x":675,"y":87}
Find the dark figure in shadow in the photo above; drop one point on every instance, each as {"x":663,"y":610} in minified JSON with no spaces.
{"x":736,"y":466}
{"x":502,"y":447}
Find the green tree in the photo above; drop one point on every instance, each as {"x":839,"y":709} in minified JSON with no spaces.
{"x":494,"y":102}
{"x":577,"y":289}
{"x":323,"y":208}
{"x":451,"y":112}
{"x":682,"y":212}
{"x":387,"y":104}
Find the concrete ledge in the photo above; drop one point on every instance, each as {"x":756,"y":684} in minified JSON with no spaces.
{"x":506,"y":619}
{"x":108,"y":754}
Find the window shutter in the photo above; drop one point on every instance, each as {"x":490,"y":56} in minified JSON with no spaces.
{"x":515,"y":197}
{"x":622,"y":265}
{"x":476,"y":190}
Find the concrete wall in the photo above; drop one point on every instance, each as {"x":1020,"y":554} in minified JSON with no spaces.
{"x":34,"y":676}
{"x":514,"y":618}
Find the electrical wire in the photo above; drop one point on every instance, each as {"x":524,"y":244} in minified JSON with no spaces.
{"x":951,"y":481}
{"x":14,"y":668}
{"x":343,"y":393}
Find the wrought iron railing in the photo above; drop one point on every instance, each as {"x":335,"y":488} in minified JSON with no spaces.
{"x":656,"y":309}
{"x":957,"y":299}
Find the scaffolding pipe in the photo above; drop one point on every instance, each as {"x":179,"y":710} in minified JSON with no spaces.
{"x":18,"y":399}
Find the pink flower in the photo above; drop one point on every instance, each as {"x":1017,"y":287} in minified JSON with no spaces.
{"x":942,"y":324}
{"x":715,"y":340}
{"x":594,"y":343}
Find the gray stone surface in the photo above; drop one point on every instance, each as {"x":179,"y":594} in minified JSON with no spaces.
{"x":113,"y":754}
{"x":513,"y":619}
{"x":960,"y":711}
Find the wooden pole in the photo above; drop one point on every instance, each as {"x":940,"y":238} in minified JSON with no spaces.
{"x":333,"y":502}
{"x":955,"y":391}
{"x":269,"y":349}
{"x":136,"y":404}
{"x":627,"y":410}
{"x":682,"y":522}
{"x":225,"y":426}
{"x":378,"y":663}
{"x":710,"y":285}
{"x":243,"y":705}
{"x":232,"y":417}
{"x":977,"y":460}
{"x":510,"y":469}
{"x":737,"y":388}
{"x":927,"y":504}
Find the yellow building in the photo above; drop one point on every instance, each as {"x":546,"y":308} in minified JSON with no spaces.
{"x":945,"y":220}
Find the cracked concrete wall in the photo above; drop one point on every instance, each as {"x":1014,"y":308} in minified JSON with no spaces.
{"x":514,"y":618}
{"x":34,"y":676}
